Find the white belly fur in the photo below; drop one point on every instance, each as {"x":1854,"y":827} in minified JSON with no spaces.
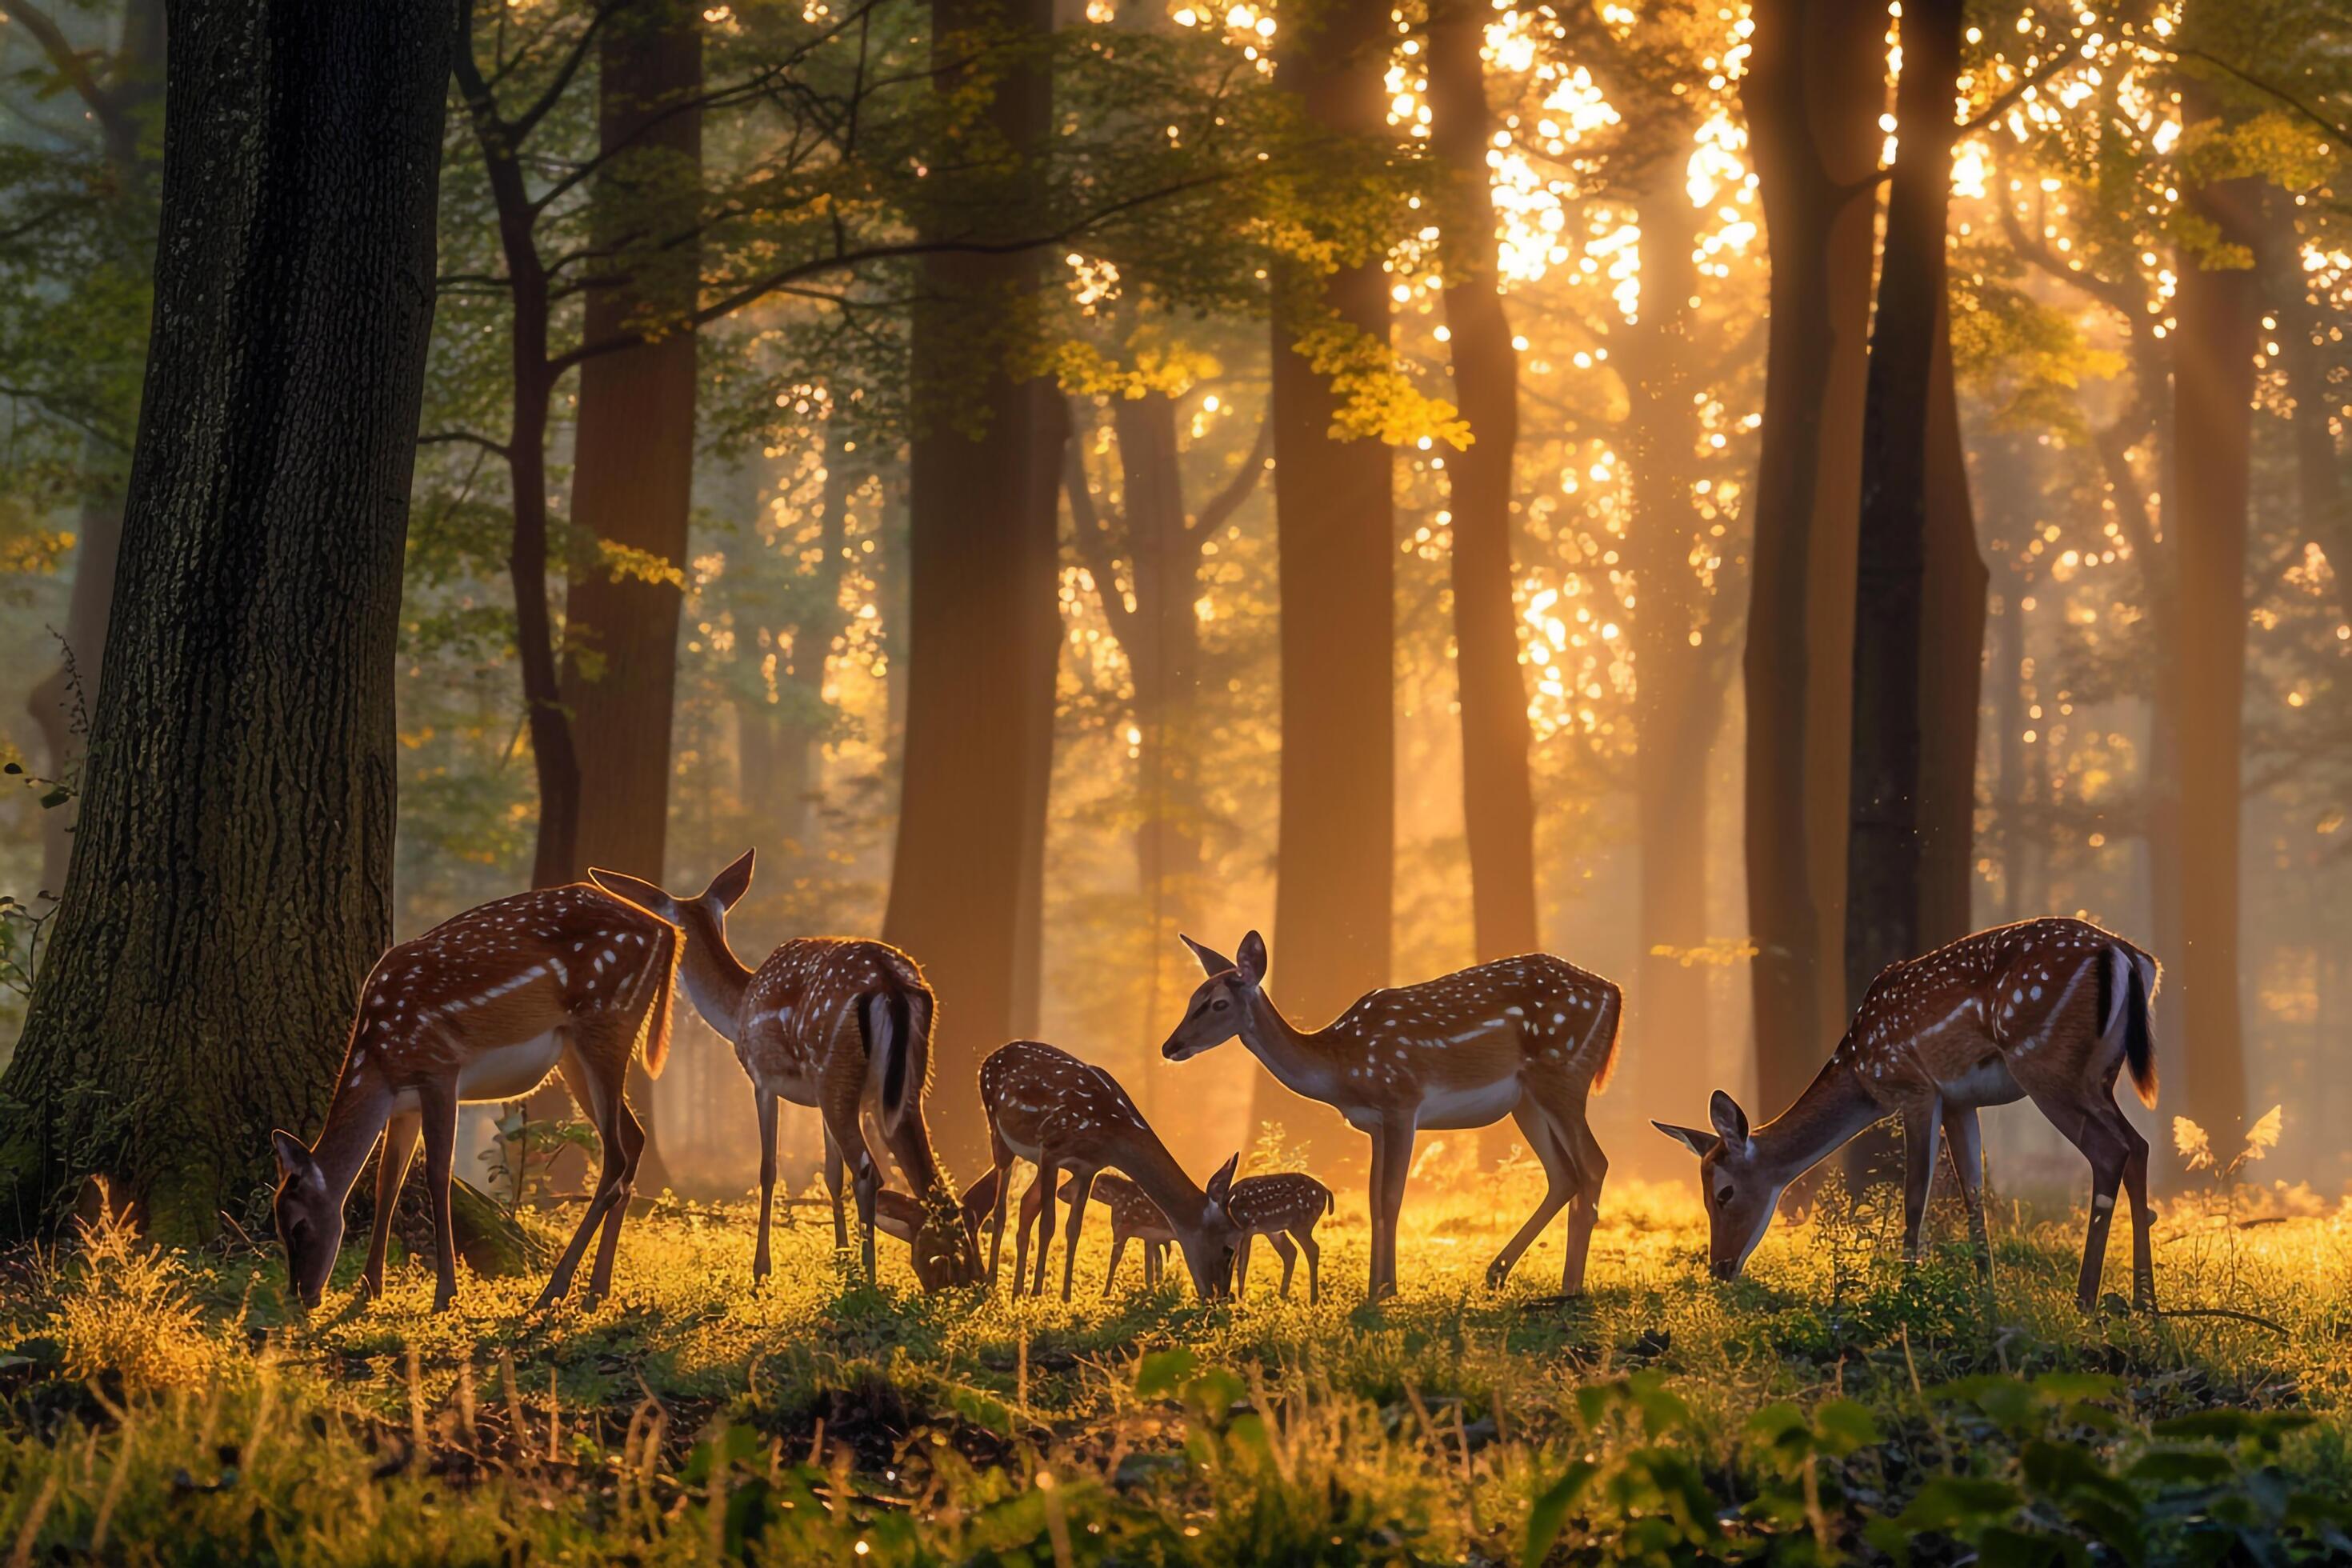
{"x":511,"y":1072}
{"x":1987,"y":1083}
{"x":1468,"y":1107}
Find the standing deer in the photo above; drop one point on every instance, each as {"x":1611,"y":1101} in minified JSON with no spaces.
{"x":1133,"y":1218}
{"x":1061,"y":1114}
{"x":2047,"y":1009}
{"x":1284,"y":1208}
{"x":1532,"y":1039}
{"x":483,"y":1007}
{"x":838,"y":1023}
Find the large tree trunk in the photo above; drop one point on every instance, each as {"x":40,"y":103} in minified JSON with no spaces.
{"x":2217,"y":315}
{"x":633,"y":485}
{"x":232,"y":878}
{"x":1335,"y":867}
{"x":1908,"y":623}
{"x":1814,"y":90}
{"x":984,"y":622}
{"x":1498,"y":804}
{"x":60,"y":703}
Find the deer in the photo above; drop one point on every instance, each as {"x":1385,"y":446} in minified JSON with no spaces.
{"x":484,"y":1006}
{"x":1530,"y":1037}
{"x":1133,"y":1218}
{"x":900,"y":1215}
{"x":1061,"y":1114}
{"x":1284,"y":1208}
{"x":841,"y":1024}
{"x":2051,"y":1010}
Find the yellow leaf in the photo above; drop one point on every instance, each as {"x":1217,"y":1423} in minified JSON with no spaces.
{"x":2189,"y":1140}
{"x":2265,"y":1134}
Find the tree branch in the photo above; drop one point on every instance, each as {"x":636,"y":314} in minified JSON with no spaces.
{"x":71,"y":65}
{"x":1238,"y":489}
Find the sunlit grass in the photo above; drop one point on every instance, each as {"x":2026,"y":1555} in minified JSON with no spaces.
{"x":172,"y":1408}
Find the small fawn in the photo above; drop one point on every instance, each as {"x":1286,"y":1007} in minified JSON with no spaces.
{"x":483,"y":1007}
{"x":2051,"y":1010}
{"x":901,"y":1215}
{"x":838,"y":1023}
{"x":1284,"y":1208}
{"x":1532,"y":1039}
{"x":1133,"y":1218}
{"x":1061,"y":1114}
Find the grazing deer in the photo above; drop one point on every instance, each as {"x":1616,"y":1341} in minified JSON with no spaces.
{"x":1284,"y":1208}
{"x":483,"y":1007}
{"x":838,"y":1023}
{"x":900,"y":1215}
{"x":1061,"y":1114}
{"x":1133,"y":1218}
{"x":1530,"y":1037}
{"x":2047,"y":1009}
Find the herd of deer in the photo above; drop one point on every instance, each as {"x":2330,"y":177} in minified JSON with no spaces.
{"x":576,"y":978}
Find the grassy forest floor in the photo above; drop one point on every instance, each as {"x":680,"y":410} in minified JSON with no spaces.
{"x":169,"y":1408}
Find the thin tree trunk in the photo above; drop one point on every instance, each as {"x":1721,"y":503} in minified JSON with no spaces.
{"x":1951,"y":671}
{"x":1335,"y":867}
{"x":984,"y":629}
{"x":2218,"y":316}
{"x":1498,"y":804}
{"x":231,"y":881}
{"x":1813,"y":93}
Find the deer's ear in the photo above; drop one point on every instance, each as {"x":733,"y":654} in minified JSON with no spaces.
{"x":1221,"y":1182}
{"x":293,"y":1155}
{"x":634,"y":889}
{"x":728,"y":887}
{"x":1730,"y":1121}
{"x":1211,"y":962}
{"x":1251,"y":958}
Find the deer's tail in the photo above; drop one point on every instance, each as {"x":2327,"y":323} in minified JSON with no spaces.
{"x":1607,"y":1029}
{"x":653,"y":1024}
{"x":897,"y":1021}
{"x":2128,"y":983}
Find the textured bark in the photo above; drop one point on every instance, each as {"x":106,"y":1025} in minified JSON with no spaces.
{"x":1498,"y":804}
{"x":984,"y":626}
{"x":1335,"y":863}
{"x":2218,"y":316}
{"x":231,"y":880}
{"x":1812,"y":94}
{"x":126,"y":106}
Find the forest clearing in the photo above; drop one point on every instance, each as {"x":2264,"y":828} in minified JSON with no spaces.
{"x":1827,"y":1406}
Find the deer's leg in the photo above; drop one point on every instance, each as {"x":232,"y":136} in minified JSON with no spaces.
{"x":1396,"y":1164}
{"x":1027,"y":1223}
{"x":1003,"y":1169}
{"x":1920,"y":1127}
{"x":841,"y":1097}
{"x":1583,"y":1151}
{"x":1559,"y":1185}
{"x":1241,"y":1265}
{"x":1082,"y":1186}
{"x":2108,"y":1154}
{"x":1118,"y":1251}
{"x":391,"y":1170}
{"x":833,"y":1184}
{"x":590,"y":1091}
{"x":1155,"y":1264}
{"x":2142,"y":1217}
{"x":1049,"y":1177}
{"x":437,"y":1110}
{"x":766,"y":1105}
{"x":1285,"y":1249}
{"x":1307,"y":1245}
{"x":630,"y":1133}
{"x":1965,"y":1139}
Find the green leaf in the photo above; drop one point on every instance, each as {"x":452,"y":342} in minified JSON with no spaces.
{"x":1949,"y":1503}
{"x":2180,"y":1468}
{"x":1162,"y":1373}
{"x":1550,"y":1513}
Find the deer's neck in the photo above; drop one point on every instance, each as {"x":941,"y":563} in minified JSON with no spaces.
{"x":1834,"y":1108}
{"x":715,"y":978}
{"x":1291,"y":1054}
{"x":1149,"y":1165}
{"x":355,"y":1120}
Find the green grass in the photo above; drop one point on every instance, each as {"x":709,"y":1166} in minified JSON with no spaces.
{"x":169,"y":1408}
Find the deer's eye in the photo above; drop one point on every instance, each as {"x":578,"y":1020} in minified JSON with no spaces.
{"x":1223,"y":1003}
{"x":1723,"y":1195}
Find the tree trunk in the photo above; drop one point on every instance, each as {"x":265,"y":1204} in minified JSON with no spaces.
{"x":1498,"y":804}
{"x":2218,"y":314}
{"x":633,"y":485}
{"x":1909,"y":622}
{"x":984,"y":629}
{"x":232,"y":882}
{"x":1951,"y":671}
{"x":1812,"y":93}
{"x":1335,"y":867}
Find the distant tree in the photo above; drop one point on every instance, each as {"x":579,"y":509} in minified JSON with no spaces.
{"x":232,"y":879}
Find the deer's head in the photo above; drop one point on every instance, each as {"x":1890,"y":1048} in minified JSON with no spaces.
{"x":309,"y":1218}
{"x":703,"y":917}
{"x":1741,"y":1195}
{"x":1206,"y":1238}
{"x":1222,"y":1003}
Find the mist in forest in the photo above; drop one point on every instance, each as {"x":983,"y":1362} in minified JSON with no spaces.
{"x":1656,"y":484}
